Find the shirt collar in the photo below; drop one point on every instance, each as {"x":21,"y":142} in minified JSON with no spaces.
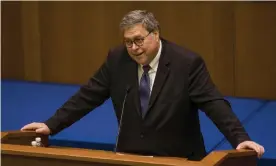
{"x":154,"y":63}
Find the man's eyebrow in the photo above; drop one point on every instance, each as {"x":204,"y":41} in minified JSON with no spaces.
{"x":134,"y":37}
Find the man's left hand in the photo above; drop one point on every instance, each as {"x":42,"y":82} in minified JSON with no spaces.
{"x":252,"y":145}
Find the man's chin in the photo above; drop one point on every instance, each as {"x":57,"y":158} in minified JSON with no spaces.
{"x":141,"y":62}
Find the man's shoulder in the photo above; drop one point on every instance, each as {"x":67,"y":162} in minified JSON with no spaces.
{"x":180,"y":51}
{"x":118,"y":50}
{"x":118,"y":55}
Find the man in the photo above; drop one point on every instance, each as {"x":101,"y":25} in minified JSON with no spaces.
{"x":156,"y":88}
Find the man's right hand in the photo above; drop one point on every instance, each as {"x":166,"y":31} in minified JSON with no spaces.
{"x":41,"y":128}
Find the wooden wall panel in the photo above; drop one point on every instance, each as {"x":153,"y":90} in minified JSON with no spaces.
{"x":76,"y":38}
{"x":75,"y":47}
{"x":182,"y":23}
{"x":66,"y":42}
{"x":31,"y":41}
{"x":223,"y":45}
{"x":255,"y":59}
{"x":12,"y":64}
{"x":57,"y":43}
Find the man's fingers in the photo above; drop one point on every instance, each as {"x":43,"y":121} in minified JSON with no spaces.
{"x":28,"y":127}
{"x":263,"y":150}
{"x":31,"y":126}
{"x":241,"y":146}
{"x":259,"y":149}
{"x":256,"y":148}
{"x":252,"y":145}
{"x":41,"y":131}
{"x":37,"y":127}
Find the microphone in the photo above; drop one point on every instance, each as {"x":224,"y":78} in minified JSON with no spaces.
{"x":121,"y":119}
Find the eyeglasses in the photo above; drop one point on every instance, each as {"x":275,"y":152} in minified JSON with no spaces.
{"x":138,"y":41}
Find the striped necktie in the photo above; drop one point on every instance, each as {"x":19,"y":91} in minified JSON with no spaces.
{"x":144,"y":90}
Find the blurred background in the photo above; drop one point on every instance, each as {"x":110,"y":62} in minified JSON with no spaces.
{"x":49,"y":49}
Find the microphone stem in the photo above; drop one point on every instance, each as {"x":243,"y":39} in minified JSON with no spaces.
{"x":121,"y":120}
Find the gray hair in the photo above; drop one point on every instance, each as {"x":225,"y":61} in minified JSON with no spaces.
{"x":143,"y":17}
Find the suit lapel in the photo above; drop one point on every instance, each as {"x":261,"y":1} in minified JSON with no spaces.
{"x":132,"y":76}
{"x":161,"y":75}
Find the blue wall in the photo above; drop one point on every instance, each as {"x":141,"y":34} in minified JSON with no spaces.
{"x":25,"y":102}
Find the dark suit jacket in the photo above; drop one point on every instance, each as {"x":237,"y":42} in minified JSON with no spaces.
{"x":171,"y":126}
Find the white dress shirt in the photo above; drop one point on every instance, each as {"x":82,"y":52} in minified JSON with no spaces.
{"x":154,"y":66}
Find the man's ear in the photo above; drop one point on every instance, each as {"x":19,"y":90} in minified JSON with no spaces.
{"x":156,"y":35}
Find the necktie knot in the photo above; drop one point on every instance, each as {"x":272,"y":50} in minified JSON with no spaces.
{"x":146,"y":68}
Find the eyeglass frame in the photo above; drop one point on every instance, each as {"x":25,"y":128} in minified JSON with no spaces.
{"x":135,"y":40}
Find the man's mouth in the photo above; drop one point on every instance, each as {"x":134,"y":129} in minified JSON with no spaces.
{"x":139,"y":54}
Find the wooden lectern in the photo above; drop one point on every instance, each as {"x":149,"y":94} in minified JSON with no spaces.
{"x":17,"y":151}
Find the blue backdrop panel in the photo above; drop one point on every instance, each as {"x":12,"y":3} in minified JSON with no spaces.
{"x":241,"y":107}
{"x":262,"y":129}
{"x":25,"y":102}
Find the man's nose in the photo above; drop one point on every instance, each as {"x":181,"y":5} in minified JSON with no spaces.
{"x":134,"y":46}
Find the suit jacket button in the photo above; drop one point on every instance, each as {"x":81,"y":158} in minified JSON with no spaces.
{"x":141,"y":135}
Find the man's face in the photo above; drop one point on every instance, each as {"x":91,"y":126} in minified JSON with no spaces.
{"x":149,"y":44}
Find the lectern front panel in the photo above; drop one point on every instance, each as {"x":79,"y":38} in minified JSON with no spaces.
{"x":16,"y":160}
